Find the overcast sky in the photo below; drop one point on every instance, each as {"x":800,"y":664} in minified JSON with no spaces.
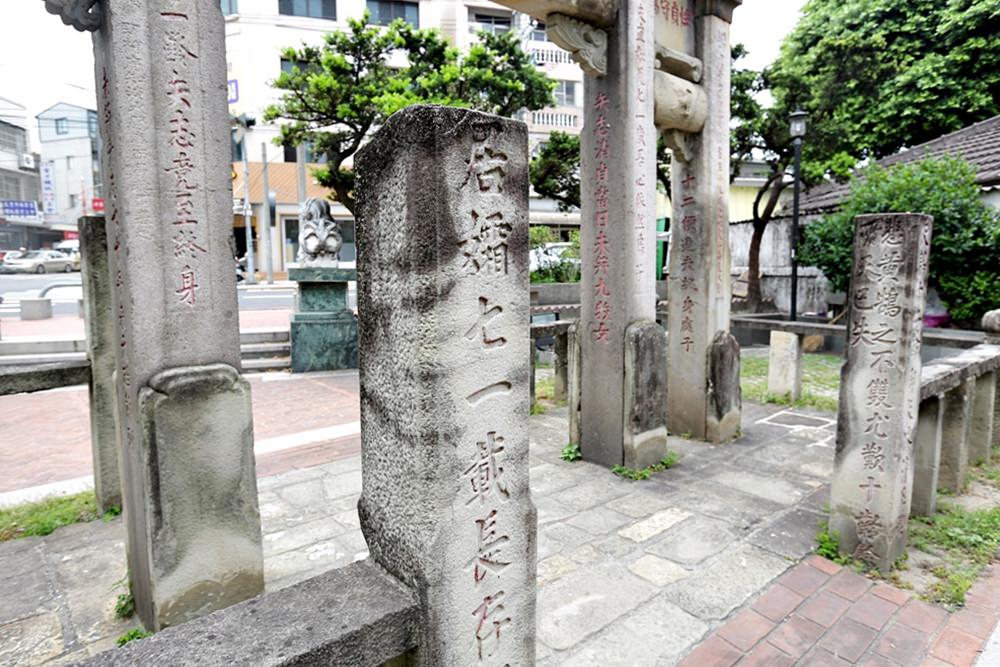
{"x":43,"y":62}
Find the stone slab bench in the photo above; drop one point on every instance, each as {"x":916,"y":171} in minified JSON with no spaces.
{"x":39,"y":377}
{"x":355,"y":615}
{"x":957,"y":423}
{"x":959,"y":338}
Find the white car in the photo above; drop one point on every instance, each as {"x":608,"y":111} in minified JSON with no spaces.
{"x":39,"y":261}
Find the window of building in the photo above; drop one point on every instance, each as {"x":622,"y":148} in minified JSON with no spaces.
{"x":494,"y":23}
{"x":9,"y":187}
{"x":72,"y":201}
{"x":287,"y":65}
{"x":92,"y":124}
{"x":62,"y":126}
{"x":230,"y":7}
{"x":538,"y":33}
{"x":11,"y":139}
{"x":565,"y":94}
{"x":311,"y":156}
{"x":317,"y":9}
{"x":384,"y":12}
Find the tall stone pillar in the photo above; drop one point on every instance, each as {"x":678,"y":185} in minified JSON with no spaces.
{"x":618,"y":237}
{"x":444,"y":365}
{"x":880,"y":387}
{"x":699,"y":289}
{"x":194,"y":542}
{"x":100,"y":329}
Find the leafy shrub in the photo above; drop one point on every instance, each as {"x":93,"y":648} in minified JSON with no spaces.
{"x":966,"y":240}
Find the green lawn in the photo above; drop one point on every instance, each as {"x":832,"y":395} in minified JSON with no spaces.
{"x":43,"y":517}
{"x":820,"y":381}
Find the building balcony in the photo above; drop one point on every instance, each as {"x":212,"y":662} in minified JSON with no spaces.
{"x":565,"y":119}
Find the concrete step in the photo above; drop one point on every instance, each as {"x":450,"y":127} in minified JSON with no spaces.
{"x":69,"y":344}
{"x":264,"y":350}
{"x":269,"y":364}
{"x":277,"y":335}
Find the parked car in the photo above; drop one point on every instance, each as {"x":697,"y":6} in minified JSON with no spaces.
{"x":39,"y":261}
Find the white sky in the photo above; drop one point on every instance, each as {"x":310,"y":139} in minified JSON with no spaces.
{"x":43,"y":62}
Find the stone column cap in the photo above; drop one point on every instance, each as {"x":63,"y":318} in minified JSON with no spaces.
{"x":721,"y":8}
{"x":321,"y":274}
{"x":991,"y":322}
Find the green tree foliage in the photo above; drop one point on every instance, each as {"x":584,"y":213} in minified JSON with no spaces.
{"x":878,"y":75}
{"x":966,"y":240}
{"x":335,"y":94}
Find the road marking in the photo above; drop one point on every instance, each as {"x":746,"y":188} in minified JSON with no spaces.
{"x":302,"y":438}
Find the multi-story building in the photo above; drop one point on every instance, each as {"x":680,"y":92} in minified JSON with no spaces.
{"x":21,"y":222}
{"x":257,"y":30}
{"x":71,"y":148}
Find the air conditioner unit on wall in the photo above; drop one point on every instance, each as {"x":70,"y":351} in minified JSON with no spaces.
{"x":27,"y":161}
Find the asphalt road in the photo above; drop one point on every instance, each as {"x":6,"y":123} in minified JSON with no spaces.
{"x":14,"y":287}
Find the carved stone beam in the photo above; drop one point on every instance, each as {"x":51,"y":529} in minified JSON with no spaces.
{"x":587,"y":44}
{"x":599,"y":13}
{"x":84,"y":15}
{"x":678,"y":63}
{"x":680,"y":108}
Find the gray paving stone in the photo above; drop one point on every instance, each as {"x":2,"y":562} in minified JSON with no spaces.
{"x":344,"y":484}
{"x":586,"y":601}
{"x":726,"y":582}
{"x":309,"y":494}
{"x":793,"y":534}
{"x":641,"y":503}
{"x":301,"y":536}
{"x":742,"y":510}
{"x":599,"y":520}
{"x":655,"y":631}
{"x":31,"y":641}
{"x":694,"y":540}
{"x":592,"y":493}
{"x":88,"y":600}
{"x":548,"y":478}
{"x":658,"y":571}
{"x":769,"y":488}
{"x":560,"y":537}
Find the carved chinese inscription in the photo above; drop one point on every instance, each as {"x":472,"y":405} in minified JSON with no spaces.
{"x":601,"y":264}
{"x":686,"y":245}
{"x":181,"y":141}
{"x":880,"y":388}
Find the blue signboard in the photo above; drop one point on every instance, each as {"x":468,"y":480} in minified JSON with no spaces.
{"x":234,"y":91}
{"x":19,"y":209}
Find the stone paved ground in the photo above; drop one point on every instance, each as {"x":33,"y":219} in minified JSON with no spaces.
{"x":630,"y":573}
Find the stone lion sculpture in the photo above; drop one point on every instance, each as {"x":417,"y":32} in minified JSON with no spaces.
{"x":319,"y":234}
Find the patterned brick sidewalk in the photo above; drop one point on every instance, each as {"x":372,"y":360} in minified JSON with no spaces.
{"x":819,"y":614}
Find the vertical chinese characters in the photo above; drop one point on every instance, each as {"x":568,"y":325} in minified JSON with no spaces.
{"x":602,"y":294}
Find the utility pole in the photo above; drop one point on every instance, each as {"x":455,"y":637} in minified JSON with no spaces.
{"x":247,"y":225}
{"x":265,"y":234}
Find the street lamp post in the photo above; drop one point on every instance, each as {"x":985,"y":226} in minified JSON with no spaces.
{"x":797,"y":130}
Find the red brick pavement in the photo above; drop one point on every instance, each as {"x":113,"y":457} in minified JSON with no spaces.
{"x":45,"y":437}
{"x":820,"y":614}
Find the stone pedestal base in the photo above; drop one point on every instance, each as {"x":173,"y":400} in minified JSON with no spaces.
{"x":645,"y":419}
{"x":324,"y":332}
{"x":194,"y":541}
{"x":784,"y":366}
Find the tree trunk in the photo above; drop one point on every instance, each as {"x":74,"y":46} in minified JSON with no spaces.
{"x":753,"y":280}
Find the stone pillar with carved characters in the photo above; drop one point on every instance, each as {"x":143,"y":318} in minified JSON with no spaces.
{"x":693,"y":53}
{"x":183,"y":410}
{"x":444,"y":345}
{"x":880,"y":387}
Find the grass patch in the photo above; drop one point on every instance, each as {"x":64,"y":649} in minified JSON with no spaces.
{"x":132,"y":635}
{"x":968,"y":540}
{"x":45,"y":516}
{"x":571,"y":452}
{"x":820,"y":382}
{"x":537,"y":409}
{"x":667,"y":462}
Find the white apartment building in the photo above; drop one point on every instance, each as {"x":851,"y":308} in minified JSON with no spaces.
{"x":70,"y":147}
{"x":257,"y":31}
{"x":21,"y":222}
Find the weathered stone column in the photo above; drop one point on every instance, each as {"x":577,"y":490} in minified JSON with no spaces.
{"x":443,"y":348}
{"x":991,"y":325}
{"x":880,"y":386}
{"x":194,"y":542}
{"x":560,"y":366}
{"x":784,"y":365}
{"x":699,"y":284}
{"x":981,"y":428}
{"x":955,"y":427}
{"x":617,"y":236}
{"x":927,"y":457}
{"x":573,"y":382}
{"x":100,"y":328}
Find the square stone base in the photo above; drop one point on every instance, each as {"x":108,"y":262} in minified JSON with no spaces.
{"x":324,"y":342}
